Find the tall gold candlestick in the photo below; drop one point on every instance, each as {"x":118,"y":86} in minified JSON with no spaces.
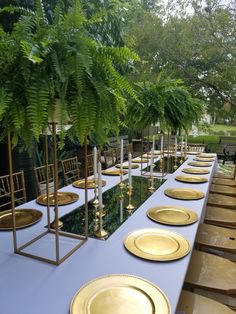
{"x":130,"y":207}
{"x":101,"y":233}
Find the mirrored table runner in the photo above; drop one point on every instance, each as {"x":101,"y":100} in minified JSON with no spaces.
{"x":115,"y":201}
{"x":168,"y":165}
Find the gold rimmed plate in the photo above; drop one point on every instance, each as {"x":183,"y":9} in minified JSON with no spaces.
{"x":155,"y":152}
{"x":198,"y":158}
{"x":192,"y":153}
{"x":24,"y":218}
{"x":90,"y":184}
{"x":120,"y":294}
{"x":126,"y":166}
{"x":191,"y":179}
{"x":169,"y":151}
{"x":139,"y":160}
{"x":172,"y":215}
{"x":206,"y":155}
{"x":195,"y":171}
{"x":157,"y":244}
{"x":184,"y":193}
{"x":63,"y":198}
{"x":199,"y":164}
{"x":146,"y":156}
{"x":114,"y":172}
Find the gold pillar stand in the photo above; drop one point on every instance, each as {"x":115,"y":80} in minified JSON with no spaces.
{"x":82,"y":238}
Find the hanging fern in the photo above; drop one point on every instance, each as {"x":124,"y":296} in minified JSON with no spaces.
{"x":5,"y":101}
{"x":57,"y":58}
{"x":38,"y":101}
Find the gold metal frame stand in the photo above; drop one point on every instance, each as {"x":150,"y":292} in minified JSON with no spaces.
{"x":57,"y":232}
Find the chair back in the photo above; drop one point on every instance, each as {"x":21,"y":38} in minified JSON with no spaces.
{"x":196,"y":147}
{"x":41,"y":178}
{"x":19,"y":190}
{"x":109,"y":157}
{"x":70,"y":170}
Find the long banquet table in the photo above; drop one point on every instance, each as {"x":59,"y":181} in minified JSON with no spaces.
{"x":29,"y":286}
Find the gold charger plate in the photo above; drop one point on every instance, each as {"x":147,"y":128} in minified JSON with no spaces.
{"x":184,"y":193}
{"x":90,"y":184}
{"x":125,"y":166}
{"x":139,"y":160}
{"x":191,"y":179}
{"x":172,"y":215}
{"x":195,"y":171}
{"x":120,"y":294}
{"x":113,"y":172}
{"x":199,"y":164}
{"x":169,"y":151}
{"x":192,"y":153}
{"x":64,"y":198}
{"x":156,"y":152}
{"x":204,"y":159}
{"x":206,"y":155}
{"x":24,"y":218}
{"x":157,"y":244}
{"x":146,"y":156}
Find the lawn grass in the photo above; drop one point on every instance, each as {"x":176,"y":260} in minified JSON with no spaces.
{"x":204,"y":139}
{"x":222,"y":127}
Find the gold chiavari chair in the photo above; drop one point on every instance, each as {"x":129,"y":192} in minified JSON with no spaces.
{"x":109,"y":158}
{"x":117,"y":151}
{"x":212,"y":275}
{"x":216,"y":237}
{"x":41,"y":178}
{"x":19,"y":190}
{"x":221,"y":216}
{"x":196,"y":147}
{"x":90,"y":161}
{"x":192,"y":303}
{"x":70,"y":169}
{"x":90,"y":158}
{"x":130,"y":148}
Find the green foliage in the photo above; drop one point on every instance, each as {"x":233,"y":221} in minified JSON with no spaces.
{"x":48,"y":58}
{"x":166,"y":101}
{"x":194,"y":41}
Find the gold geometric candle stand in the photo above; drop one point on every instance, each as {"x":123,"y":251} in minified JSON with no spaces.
{"x":56,"y":231}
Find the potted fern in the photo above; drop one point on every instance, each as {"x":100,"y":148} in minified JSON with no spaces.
{"x":45,"y":60}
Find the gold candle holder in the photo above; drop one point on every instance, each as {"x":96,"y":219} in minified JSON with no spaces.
{"x":130,"y":207}
{"x":151,"y":187}
{"x":54,"y":225}
{"x":175,"y":163}
{"x":121,"y":208}
{"x":101,"y":233}
{"x":95,"y":201}
{"x":96,"y":220}
{"x":121,"y":184}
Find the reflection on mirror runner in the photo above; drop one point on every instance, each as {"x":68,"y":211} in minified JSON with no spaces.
{"x":169,"y":165}
{"x":115,"y":202}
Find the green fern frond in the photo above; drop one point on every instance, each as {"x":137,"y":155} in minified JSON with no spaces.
{"x":38,"y":101}
{"x":31,"y":52}
{"x":17,"y":9}
{"x":5,"y":101}
{"x":17,"y":116}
